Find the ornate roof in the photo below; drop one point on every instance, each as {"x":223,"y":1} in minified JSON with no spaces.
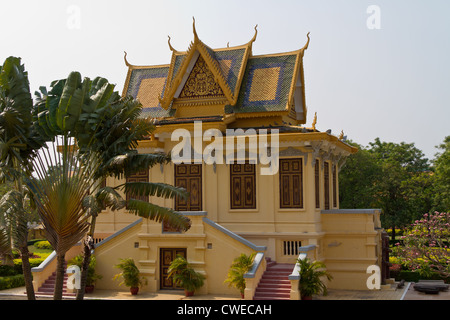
{"x":246,"y":85}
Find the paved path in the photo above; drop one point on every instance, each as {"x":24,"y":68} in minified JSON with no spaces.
{"x":406,"y":293}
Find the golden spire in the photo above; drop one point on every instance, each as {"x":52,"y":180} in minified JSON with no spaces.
{"x":170,"y":46}
{"x":307,"y":43}
{"x":254,"y":37}
{"x":341,"y":136}
{"x":195,"y":31}
{"x":126,"y":61}
{"x":314,"y":122}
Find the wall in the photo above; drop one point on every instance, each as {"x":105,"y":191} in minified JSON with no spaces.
{"x":350,"y":245}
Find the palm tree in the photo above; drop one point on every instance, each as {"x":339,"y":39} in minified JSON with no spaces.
{"x":18,"y":144}
{"x":16,"y":207}
{"x":106,"y":129}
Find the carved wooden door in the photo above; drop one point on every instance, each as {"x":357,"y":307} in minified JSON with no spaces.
{"x":167,"y":256}
{"x":189,"y":176}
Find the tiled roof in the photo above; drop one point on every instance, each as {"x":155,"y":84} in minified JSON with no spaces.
{"x":251,"y":84}
{"x":146,"y":84}
{"x":267,"y":83}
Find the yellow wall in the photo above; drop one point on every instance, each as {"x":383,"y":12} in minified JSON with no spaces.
{"x":350,"y":245}
{"x":346,"y":242}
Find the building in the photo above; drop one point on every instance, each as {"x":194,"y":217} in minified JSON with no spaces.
{"x":258,"y":198}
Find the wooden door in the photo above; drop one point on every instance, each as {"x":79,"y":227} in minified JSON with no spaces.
{"x":167,"y":256}
{"x":189,"y":176}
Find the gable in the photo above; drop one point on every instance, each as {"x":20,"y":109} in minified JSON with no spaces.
{"x":201,"y":83}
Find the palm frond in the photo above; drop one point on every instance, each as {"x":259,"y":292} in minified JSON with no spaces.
{"x":159,"y":214}
{"x":158,"y":189}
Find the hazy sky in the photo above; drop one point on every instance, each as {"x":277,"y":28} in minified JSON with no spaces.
{"x":373,"y":68}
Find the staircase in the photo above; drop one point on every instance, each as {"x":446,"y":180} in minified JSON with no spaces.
{"x":274,"y":283}
{"x":48,"y":287}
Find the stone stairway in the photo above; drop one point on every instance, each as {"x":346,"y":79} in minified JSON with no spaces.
{"x":274,"y":283}
{"x":48,"y":287}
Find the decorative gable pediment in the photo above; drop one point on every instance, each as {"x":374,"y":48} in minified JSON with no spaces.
{"x":203,"y":73}
{"x":201,"y":83}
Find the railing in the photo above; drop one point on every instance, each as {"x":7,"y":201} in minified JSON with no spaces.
{"x":294,"y":277}
{"x":254,"y":275}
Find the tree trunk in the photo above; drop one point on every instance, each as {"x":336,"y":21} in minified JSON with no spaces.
{"x":60,"y":270}
{"x":84,"y":268}
{"x":26,"y":268}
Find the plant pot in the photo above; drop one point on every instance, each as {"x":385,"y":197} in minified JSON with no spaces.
{"x":188,"y":293}
{"x":134,"y":290}
{"x":89,"y":289}
{"x":306,"y":298}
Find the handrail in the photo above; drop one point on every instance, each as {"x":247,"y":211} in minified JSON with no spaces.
{"x":256,"y":263}
{"x":253,"y":276}
{"x":294,"y":277}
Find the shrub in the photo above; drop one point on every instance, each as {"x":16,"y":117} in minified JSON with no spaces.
{"x":43,"y":245}
{"x":425,"y":245}
{"x":12,"y":282}
{"x":34,"y":262}
{"x":6,"y":271}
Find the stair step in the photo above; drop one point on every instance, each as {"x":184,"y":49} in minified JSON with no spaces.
{"x":274,"y":283}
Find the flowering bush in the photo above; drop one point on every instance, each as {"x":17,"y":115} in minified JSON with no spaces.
{"x":426,"y":245}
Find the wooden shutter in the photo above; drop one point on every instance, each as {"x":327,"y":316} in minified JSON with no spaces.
{"x":291,"y":183}
{"x":326,"y":184}
{"x":141,"y":176}
{"x":334,"y":186}
{"x":317,"y":182}
{"x":243,"y":186}
{"x":189,"y":176}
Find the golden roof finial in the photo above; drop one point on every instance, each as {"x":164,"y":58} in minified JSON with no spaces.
{"x":170,"y":46}
{"x":195,"y":31}
{"x":126,"y":61}
{"x":307,"y":43}
{"x":314,"y":122}
{"x":341,"y":136}
{"x":254,"y":37}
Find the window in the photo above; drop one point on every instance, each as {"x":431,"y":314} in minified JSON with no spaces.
{"x":334,"y":186}
{"x":290,"y":248}
{"x":291,"y":183}
{"x":326,"y":184}
{"x":189,"y":176}
{"x":243,"y":186}
{"x":141,"y":176}
{"x":317,"y":182}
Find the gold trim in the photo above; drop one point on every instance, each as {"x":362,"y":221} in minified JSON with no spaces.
{"x":244,"y":115}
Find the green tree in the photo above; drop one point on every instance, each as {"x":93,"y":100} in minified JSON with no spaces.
{"x":18,"y":145}
{"x":358,"y":179}
{"x":399,"y":163}
{"x":441,"y":165}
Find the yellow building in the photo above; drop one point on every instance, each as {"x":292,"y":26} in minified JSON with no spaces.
{"x":236,"y":204}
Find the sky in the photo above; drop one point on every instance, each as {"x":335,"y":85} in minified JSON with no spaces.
{"x":372,"y":69}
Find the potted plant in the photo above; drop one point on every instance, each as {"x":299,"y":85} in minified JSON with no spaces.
{"x":240,"y":266}
{"x":311,"y":275}
{"x":92,"y":276}
{"x":185,"y":276}
{"x":130,"y":275}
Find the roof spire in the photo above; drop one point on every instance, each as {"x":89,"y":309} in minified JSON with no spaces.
{"x":254,"y":37}
{"x":195,"y":31}
{"x":170,"y":46}
{"x":307,"y":43}
{"x":126,"y":61}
